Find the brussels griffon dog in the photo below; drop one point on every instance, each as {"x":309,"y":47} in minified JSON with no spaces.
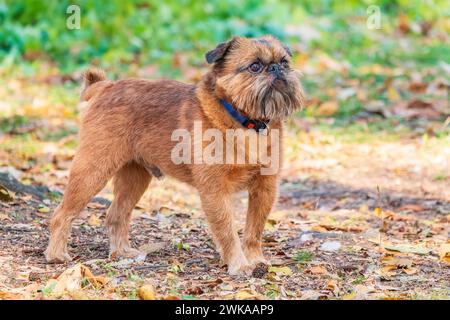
{"x":127,"y":131}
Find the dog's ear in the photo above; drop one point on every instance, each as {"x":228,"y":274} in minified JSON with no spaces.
{"x":219,"y":52}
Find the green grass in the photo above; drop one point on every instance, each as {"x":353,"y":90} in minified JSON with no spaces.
{"x":303,"y":256}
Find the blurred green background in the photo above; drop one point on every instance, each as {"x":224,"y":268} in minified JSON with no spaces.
{"x":361,"y":83}
{"x":150,"y":32}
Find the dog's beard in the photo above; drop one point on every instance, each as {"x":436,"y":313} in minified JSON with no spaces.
{"x":262,"y":97}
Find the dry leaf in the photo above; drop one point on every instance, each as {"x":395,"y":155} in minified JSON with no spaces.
{"x":5,"y":194}
{"x":152,"y":247}
{"x":94,"y":221}
{"x":388,"y":214}
{"x":147,"y":292}
{"x":71,"y":280}
{"x":245,"y":295}
{"x":444,"y":252}
{"x":4,"y":217}
{"x":96,"y":205}
{"x":44,"y":209}
{"x":281,"y":271}
{"x":412,"y":207}
{"x":407,"y":249}
{"x":10,"y":295}
{"x":318,"y":270}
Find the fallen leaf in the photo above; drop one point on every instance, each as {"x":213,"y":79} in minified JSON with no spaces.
{"x":343,"y":228}
{"x":43,"y":209}
{"x":147,"y":292}
{"x":444,"y":252}
{"x":94,"y":221}
{"x":5,"y":194}
{"x":69,"y":280}
{"x":408,"y":249}
{"x":412,"y":207}
{"x":388,"y":214}
{"x":310,"y":295}
{"x":152,"y":247}
{"x":318,"y":270}
{"x":246,"y":295}
{"x":10,"y":295}
{"x":283,"y":271}
{"x":72,"y":280}
{"x":96,"y":205}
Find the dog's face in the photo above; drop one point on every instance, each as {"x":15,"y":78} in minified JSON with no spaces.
{"x":256,"y":76}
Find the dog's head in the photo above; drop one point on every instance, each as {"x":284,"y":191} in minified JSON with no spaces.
{"x":256,"y":76}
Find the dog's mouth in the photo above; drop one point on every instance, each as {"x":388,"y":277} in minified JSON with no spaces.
{"x":264,"y":97}
{"x":277,"y":99}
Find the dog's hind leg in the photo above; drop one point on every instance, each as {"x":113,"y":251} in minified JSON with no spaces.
{"x":130,"y":182}
{"x":92,"y":167}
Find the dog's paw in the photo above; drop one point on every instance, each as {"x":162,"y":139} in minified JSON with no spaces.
{"x":255,"y":257}
{"x":128,"y":253}
{"x":57,"y":257}
{"x":258,"y":260}
{"x":240,"y":268}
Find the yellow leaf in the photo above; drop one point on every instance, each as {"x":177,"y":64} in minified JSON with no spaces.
{"x":268,"y":226}
{"x":69,"y":280}
{"x":327,"y":109}
{"x":409,"y":271}
{"x":278,"y":215}
{"x":44,"y":209}
{"x":10,"y":295}
{"x":94,"y":221}
{"x":245,"y":295}
{"x":147,"y":292}
{"x":393,"y":94}
{"x":377,"y":211}
{"x":331,"y":285}
{"x":283,"y":271}
{"x":349,"y":296}
{"x":444,"y":252}
{"x":407,"y":249}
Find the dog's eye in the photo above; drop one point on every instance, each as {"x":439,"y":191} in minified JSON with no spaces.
{"x":285,"y":63}
{"x":256,"y":67}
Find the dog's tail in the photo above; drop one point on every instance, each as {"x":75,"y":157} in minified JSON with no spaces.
{"x":91,"y":76}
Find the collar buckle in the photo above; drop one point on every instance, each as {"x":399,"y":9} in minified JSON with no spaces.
{"x":257,"y":125}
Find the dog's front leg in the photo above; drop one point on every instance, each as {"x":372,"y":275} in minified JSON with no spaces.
{"x":218,"y":211}
{"x":262,"y":195}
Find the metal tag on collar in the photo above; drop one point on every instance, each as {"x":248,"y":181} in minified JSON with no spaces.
{"x":263,"y":128}
{"x":265,"y":131}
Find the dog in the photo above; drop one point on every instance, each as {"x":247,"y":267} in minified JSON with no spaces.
{"x":126,"y":134}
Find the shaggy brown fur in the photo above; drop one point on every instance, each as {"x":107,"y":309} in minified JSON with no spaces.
{"x":125,"y":134}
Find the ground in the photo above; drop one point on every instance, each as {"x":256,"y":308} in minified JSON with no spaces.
{"x":353,"y":220}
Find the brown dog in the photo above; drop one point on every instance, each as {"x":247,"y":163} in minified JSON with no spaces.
{"x":127,"y":133}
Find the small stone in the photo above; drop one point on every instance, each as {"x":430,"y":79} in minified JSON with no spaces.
{"x":330,"y":246}
{"x":306,"y":237}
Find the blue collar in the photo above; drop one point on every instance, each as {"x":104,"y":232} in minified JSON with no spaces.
{"x":258,"y":125}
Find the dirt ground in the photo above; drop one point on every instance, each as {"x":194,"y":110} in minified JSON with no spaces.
{"x":354,"y":220}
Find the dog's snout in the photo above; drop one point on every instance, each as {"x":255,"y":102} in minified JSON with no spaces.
{"x":275,"y":69}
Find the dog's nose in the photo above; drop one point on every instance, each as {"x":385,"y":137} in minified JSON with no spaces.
{"x":275,"y":69}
